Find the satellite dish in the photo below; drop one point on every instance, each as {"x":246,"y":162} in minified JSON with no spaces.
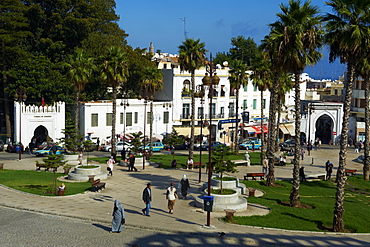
{"x":225,"y":64}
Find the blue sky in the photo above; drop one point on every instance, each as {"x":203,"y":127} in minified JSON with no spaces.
{"x":213,"y":22}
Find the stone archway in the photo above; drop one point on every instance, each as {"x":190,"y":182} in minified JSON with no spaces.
{"x":324,"y":128}
{"x":41,"y":133}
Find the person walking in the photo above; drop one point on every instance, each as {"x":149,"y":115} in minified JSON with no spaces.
{"x":319,"y":145}
{"x":147,"y":198}
{"x":171,"y":196}
{"x":329,"y":169}
{"x":265,"y":165}
{"x":123,"y":154}
{"x":190,"y":163}
{"x":131,"y":163}
{"x":185,"y":186}
{"x":309,"y":148}
{"x":247,"y":158}
{"x":80,"y":158}
{"x":110,"y":164}
{"x":119,"y":217}
{"x":302,"y":153}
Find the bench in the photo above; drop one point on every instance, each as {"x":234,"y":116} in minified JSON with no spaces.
{"x":320,"y":176}
{"x":351,"y":172}
{"x":97,"y":185}
{"x":197,"y":164}
{"x":39,"y":166}
{"x":253,"y":175}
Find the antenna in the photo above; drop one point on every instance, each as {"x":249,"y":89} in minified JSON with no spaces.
{"x":185,"y":33}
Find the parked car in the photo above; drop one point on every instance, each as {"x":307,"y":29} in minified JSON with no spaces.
{"x":119,"y":147}
{"x":49,"y":151}
{"x":45,"y":144}
{"x":202,"y":143}
{"x":248,"y":145}
{"x":1,"y":146}
{"x":157,"y":146}
{"x":287,"y":145}
{"x":213,"y":145}
{"x":12,"y":147}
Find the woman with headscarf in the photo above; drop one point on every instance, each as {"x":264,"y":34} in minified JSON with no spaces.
{"x":118,"y":217}
{"x":171,"y":196}
{"x":185,"y":186}
{"x":110,"y":164}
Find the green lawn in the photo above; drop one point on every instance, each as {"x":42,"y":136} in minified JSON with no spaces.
{"x":321,"y":196}
{"x":39,"y":182}
{"x":181,"y":159}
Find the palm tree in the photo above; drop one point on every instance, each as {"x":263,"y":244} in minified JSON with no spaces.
{"x":238,"y":77}
{"x":192,"y":56}
{"x":364,"y":71}
{"x":115,"y":74}
{"x":348,"y":36}
{"x":299,"y":30}
{"x":262,"y":79}
{"x":152,"y":81}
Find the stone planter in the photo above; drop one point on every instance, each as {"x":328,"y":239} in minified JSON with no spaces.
{"x":72,"y":159}
{"x":234,"y":185}
{"x":82,"y":174}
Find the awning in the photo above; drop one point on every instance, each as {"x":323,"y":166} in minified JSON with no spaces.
{"x":284,"y":129}
{"x":257,"y":129}
{"x":186,"y":130}
{"x":250,"y":130}
{"x":290,"y":128}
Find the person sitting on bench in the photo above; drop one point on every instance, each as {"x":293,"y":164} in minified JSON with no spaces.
{"x":282,"y":160}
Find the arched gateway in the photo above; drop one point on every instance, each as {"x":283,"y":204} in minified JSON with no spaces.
{"x":38,"y":122}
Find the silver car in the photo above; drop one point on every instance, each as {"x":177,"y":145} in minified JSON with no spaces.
{"x":119,"y":147}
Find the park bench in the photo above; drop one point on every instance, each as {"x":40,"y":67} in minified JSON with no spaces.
{"x":196,"y":164}
{"x":350,"y":172}
{"x":254,"y":175}
{"x":39,"y":166}
{"x":97,"y":185}
{"x":313,"y":176}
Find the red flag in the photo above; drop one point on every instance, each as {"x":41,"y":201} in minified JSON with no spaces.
{"x":42,"y":101}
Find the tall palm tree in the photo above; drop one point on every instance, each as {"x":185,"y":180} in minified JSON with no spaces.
{"x":192,"y":55}
{"x":115,"y":74}
{"x":79,"y":71}
{"x":152,"y":81}
{"x":348,"y":36}
{"x":299,"y":30}
{"x":238,"y":77}
{"x":262,"y":79}
{"x":363,"y":70}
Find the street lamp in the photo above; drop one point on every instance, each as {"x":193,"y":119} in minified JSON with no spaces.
{"x":20,"y":96}
{"x":166,"y":105}
{"x":310,"y":108}
{"x":200,"y":94}
{"x":210,"y":81}
{"x":146,"y":98}
{"x":124,"y":103}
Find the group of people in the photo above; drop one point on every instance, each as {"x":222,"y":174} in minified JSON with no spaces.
{"x":119,"y":217}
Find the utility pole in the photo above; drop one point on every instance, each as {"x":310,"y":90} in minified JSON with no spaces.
{"x":185,"y":33}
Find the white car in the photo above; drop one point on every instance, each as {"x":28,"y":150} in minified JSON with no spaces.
{"x":197,"y":145}
{"x":119,"y":147}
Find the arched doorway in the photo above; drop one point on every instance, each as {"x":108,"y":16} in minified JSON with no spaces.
{"x":41,"y":134}
{"x":324,"y":129}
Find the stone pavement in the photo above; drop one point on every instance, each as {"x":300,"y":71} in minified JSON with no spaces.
{"x":128,"y":187}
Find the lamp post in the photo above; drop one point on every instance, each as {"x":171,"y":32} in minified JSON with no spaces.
{"x":310,"y":108}
{"x":200,"y":94}
{"x":210,"y":81}
{"x":166,"y":106}
{"x":146,"y":98}
{"x":124,"y":103}
{"x":20,"y":96}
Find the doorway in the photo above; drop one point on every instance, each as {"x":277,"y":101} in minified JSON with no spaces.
{"x":324,"y":129}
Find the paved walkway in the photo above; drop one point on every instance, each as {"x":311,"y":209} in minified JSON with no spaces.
{"x":128,"y":186}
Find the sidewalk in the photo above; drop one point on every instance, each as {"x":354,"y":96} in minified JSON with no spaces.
{"x":128,"y":187}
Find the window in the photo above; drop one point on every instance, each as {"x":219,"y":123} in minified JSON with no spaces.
{"x":200,"y":112}
{"x":109,"y":119}
{"x":185,"y":111}
{"x":254,"y":104}
{"x":213,"y":109}
{"x":264,"y":103}
{"x":222,"y":112}
{"x":136,"y":117}
{"x":121,"y":118}
{"x":245,"y":104}
{"x":166,"y":117}
{"x":335,"y":91}
{"x":255,"y":88}
{"x":231,"y":109}
{"x":245,"y":88}
{"x":94,"y":120}
{"x":148,"y":117}
{"x":186,"y":88}
{"x":129,"y":118}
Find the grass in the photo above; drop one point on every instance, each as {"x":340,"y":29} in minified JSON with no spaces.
{"x":321,"y":196}
{"x":224,"y":191}
{"x":225,"y":178}
{"x":39,"y":182}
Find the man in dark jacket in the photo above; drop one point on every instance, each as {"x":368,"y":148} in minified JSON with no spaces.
{"x":147,"y":198}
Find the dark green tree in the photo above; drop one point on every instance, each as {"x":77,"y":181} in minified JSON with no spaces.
{"x":173,"y":139}
{"x":221,"y":162}
{"x":243,"y":49}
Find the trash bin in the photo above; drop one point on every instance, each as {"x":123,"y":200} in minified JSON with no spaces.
{"x":208,"y":203}
{"x":252,"y":192}
{"x":60,"y":192}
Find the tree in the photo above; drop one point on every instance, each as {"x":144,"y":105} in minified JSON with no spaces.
{"x":152,"y":81}
{"x":348,"y":37}
{"x":243,"y":49}
{"x":298,"y":33}
{"x":221,"y":162}
{"x":363,"y":69}
{"x":114,"y":73}
{"x":238,"y":77}
{"x":173,"y":139}
{"x":136,"y":141}
{"x":192,"y":57}
{"x":79,"y":71}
